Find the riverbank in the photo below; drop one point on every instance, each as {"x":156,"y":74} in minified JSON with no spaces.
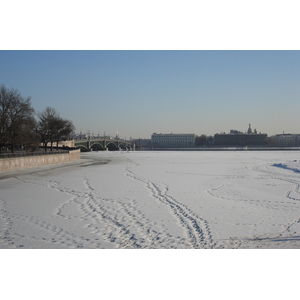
{"x":249,"y":148}
{"x":15,"y":163}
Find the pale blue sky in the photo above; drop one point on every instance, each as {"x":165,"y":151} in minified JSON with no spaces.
{"x":140,"y":92}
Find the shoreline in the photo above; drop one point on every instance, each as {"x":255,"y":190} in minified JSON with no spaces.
{"x":227,"y":149}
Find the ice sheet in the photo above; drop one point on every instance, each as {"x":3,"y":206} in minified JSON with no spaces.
{"x":155,"y":200}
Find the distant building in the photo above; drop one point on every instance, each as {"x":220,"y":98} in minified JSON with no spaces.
{"x":171,"y":140}
{"x":142,"y":144}
{"x":238,"y":138}
{"x":285,"y":140}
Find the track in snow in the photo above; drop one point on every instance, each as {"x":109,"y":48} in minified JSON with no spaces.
{"x":196,"y":228}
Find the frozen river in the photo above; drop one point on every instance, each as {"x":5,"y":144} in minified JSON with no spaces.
{"x":155,"y":200}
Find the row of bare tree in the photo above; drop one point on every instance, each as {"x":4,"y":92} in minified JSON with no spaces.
{"x":21,"y":128}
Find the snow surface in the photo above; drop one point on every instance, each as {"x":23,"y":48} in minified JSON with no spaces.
{"x":155,"y":200}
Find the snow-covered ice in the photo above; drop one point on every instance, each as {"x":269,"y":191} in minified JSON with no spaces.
{"x":155,"y":200}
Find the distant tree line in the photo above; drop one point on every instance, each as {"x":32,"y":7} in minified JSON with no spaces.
{"x":204,"y":140}
{"x":21,"y":128}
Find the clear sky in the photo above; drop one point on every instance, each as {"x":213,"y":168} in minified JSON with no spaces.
{"x":138,"y":93}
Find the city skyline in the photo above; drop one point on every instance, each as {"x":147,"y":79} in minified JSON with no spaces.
{"x":137,"y":93}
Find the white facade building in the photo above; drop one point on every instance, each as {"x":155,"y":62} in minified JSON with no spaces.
{"x":286,"y":140}
{"x":171,"y":140}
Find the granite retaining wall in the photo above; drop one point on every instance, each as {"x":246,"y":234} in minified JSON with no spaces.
{"x":34,"y":161}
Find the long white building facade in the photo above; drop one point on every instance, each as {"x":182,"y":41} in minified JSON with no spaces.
{"x":173,"y":140}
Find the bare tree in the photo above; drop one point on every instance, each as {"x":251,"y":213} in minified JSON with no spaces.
{"x":30,"y":139}
{"x":201,"y":140}
{"x":52,"y":127}
{"x":16,"y":117}
{"x":19,"y":128}
{"x":46,"y":125}
{"x":64,"y":129}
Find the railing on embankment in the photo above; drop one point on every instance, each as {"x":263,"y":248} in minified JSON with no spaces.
{"x":20,"y":161}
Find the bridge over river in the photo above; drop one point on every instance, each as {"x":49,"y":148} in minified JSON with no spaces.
{"x":103,"y":144}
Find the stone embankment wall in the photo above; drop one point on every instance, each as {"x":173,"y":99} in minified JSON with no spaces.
{"x":34,"y":161}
